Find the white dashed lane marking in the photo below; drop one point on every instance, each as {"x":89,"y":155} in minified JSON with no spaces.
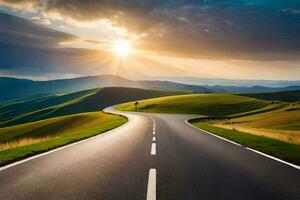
{"x":151,"y":190}
{"x":153,"y":149}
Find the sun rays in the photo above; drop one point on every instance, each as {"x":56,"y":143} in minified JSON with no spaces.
{"x":122,"y":48}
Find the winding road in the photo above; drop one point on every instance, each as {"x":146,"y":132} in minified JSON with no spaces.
{"x":153,"y":156}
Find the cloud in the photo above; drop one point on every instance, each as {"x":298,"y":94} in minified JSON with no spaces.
{"x":30,"y":5}
{"x":217,"y":29}
{"x":29,"y":48}
{"x":21,"y":32}
{"x":39,"y":20}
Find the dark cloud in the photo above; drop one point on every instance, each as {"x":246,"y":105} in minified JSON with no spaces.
{"x":27,"y":48}
{"x":18,"y":31}
{"x":24,"y":60}
{"x":243,"y":32}
{"x":233,"y":29}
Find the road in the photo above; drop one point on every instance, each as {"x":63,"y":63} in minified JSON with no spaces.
{"x":126,"y":163}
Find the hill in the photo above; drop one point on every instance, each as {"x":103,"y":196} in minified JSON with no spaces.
{"x":229,"y":82}
{"x":16,"y":89}
{"x":282,"y":124}
{"x":202,"y":104}
{"x":19,"y":89}
{"x":84,"y":101}
{"x":252,"y":89}
{"x":23,"y":107}
{"x":287,"y":96}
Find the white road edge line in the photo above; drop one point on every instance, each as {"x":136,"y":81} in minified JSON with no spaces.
{"x":232,"y":142}
{"x":253,"y":150}
{"x":151,"y":190}
{"x":42,"y":154}
{"x":153,"y":149}
{"x":154,"y":139}
{"x":271,"y":157}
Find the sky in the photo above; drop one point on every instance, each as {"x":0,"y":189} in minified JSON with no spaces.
{"x":228,"y":39}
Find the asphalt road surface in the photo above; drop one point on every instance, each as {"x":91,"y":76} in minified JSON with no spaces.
{"x":153,"y":156}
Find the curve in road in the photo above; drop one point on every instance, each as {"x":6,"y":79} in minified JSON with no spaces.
{"x":152,"y":156}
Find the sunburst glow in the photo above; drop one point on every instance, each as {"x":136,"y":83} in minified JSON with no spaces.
{"x":122,"y":48}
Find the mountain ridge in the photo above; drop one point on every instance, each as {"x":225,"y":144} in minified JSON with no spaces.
{"x":15,"y":89}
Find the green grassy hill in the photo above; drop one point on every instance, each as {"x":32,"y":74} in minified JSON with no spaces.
{"x":202,"y":104}
{"x":287,"y":118}
{"x":84,"y":101}
{"x":287,"y":96}
{"x":17,"y":142}
{"x":111,"y":96}
{"x":12,"y":110}
{"x":282,"y":124}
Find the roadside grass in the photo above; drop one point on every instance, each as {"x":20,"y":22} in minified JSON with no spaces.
{"x":28,"y":139}
{"x":282,"y":124}
{"x":202,"y":104}
{"x":22,"y":142}
{"x":283,"y":150}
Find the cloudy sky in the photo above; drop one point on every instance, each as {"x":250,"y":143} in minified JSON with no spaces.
{"x":232,"y":39}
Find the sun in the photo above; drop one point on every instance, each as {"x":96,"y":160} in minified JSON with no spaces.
{"x":122,"y":48}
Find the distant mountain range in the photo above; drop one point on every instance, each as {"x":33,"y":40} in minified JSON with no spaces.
{"x":16,"y":89}
{"x":227,"y":82}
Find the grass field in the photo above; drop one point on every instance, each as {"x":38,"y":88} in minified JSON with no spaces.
{"x":282,"y":124}
{"x":283,"y":150}
{"x":202,"y":104}
{"x":20,"y":141}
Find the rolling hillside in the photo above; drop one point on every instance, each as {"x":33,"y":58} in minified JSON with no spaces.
{"x":202,"y":104}
{"x":16,"y":89}
{"x":282,"y":124}
{"x":287,"y":96}
{"x":229,"y":82}
{"x":13,"y":89}
{"x":84,"y":101}
{"x":12,"y":110}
